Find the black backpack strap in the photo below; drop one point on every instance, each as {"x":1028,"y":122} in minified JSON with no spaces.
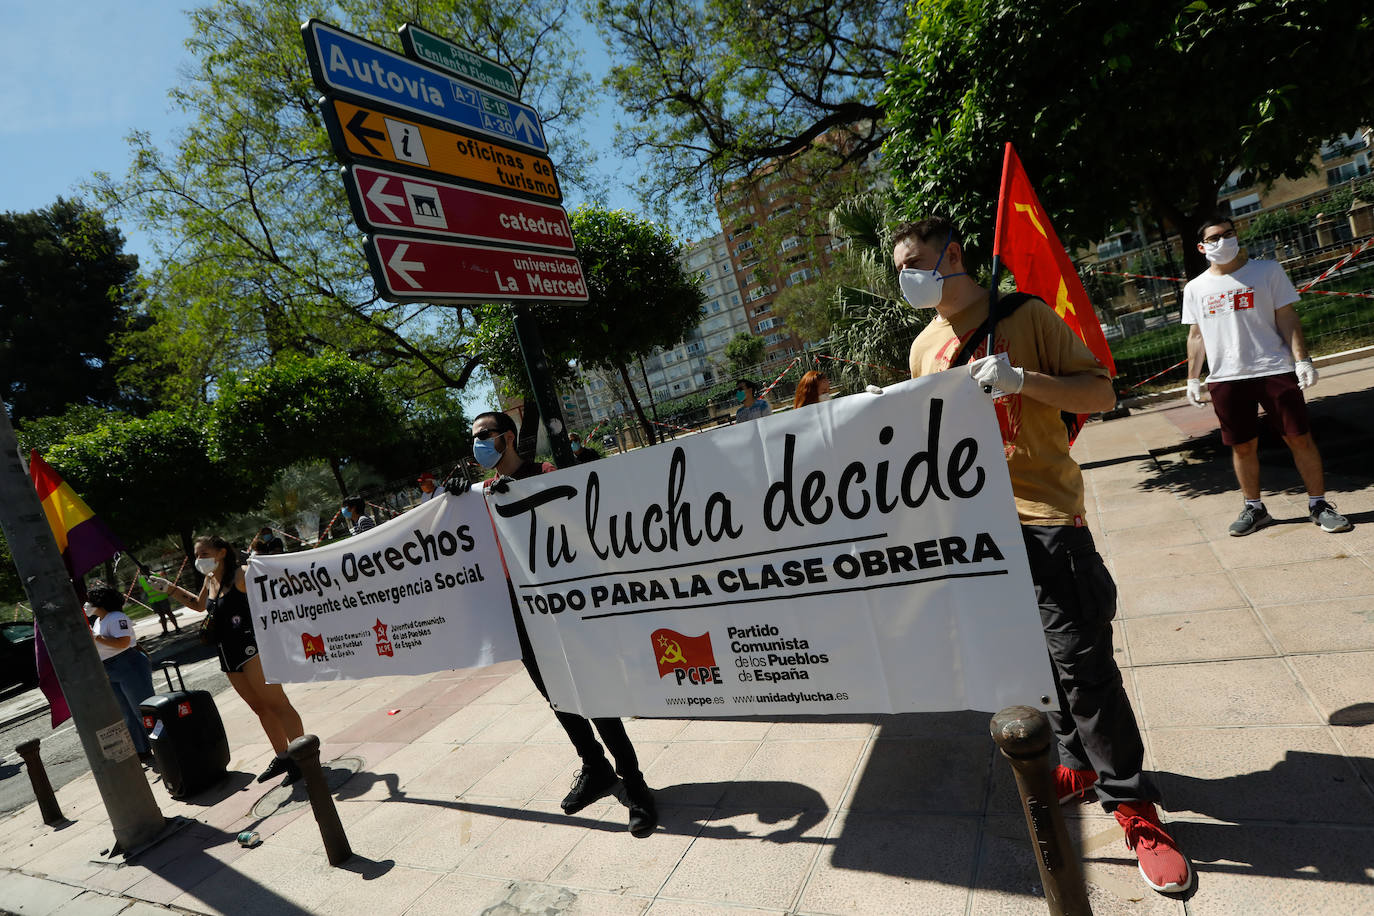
{"x":1004,"y":306}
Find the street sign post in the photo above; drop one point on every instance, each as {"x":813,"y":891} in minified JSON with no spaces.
{"x":444,"y":54}
{"x":389,"y":202}
{"x":344,"y":63}
{"x":417,"y":269}
{"x":368,"y":133}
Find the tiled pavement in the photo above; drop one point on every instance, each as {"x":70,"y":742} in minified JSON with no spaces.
{"x":1239,"y":655}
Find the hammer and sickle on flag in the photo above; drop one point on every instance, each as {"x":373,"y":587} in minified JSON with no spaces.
{"x":672,"y":650}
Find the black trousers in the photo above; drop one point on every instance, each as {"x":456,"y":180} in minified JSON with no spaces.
{"x":1095,"y":724}
{"x":579,"y":729}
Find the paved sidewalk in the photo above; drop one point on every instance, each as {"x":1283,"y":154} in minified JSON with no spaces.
{"x":1242,"y":655}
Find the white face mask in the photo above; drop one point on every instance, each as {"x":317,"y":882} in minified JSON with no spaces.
{"x":206,"y":565}
{"x":1222,"y":251}
{"x":923,"y":289}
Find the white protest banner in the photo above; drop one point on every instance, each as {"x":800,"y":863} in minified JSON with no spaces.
{"x":858,"y":555}
{"x":422,"y":592}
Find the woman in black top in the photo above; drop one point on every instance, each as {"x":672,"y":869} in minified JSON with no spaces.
{"x":224,"y":597}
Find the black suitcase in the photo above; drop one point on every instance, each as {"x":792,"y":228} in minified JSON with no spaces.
{"x":186,"y":735}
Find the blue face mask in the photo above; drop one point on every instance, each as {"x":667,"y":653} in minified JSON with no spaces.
{"x":486,"y":453}
{"x":576,"y":446}
{"x":739,"y":396}
{"x":347,"y":513}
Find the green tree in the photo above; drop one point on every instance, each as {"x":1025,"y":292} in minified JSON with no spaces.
{"x":1173,"y":97}
{"x":257,"y":249}
{"x":328,"y":408}
{"x":744,"y":350}
{"x":66,"y":289}
{"x":713,"y":90}
{"x":151,"y":476}
{"x":640,"y":297}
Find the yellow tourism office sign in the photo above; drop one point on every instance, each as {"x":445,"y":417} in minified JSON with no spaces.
{"x":372,"y":133}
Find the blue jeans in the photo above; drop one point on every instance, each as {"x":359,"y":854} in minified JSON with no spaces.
{"x":131,"y":676}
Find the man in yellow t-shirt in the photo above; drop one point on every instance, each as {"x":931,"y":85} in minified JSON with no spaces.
{"x":1039,"y":368}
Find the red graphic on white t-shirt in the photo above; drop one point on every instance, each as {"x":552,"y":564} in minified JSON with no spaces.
{"x":1008,"y":406}
{"x":1228,"y":301}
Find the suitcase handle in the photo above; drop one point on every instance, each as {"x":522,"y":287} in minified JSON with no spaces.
{"x":165,"y":668}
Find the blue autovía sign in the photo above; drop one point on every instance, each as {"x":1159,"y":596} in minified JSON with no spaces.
{"x":341,"y":62}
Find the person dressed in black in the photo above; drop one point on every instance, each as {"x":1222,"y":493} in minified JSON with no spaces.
{"x":224,"y":598}
{"x":493,"y":445}
{"x":583,"y":453}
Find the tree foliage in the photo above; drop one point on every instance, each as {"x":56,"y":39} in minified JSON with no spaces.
{"x":714,"y":89}
{"x":66,"y":289}
{"x":1173,"y":96}
{"x":327,"y":407}
{"x":744,"y":350}
{"x":639,"y":299}
{"x":872,"y":325}
{"x":258,"y":251}
{"x":152,"y":476}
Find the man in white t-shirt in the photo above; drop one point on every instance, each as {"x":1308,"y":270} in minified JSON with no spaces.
{"x":1242,"y":321}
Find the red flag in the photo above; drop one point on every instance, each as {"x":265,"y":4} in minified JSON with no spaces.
{"x":85,"y":543}
{"x":672,"y":650}
{"x":1026,"y":242}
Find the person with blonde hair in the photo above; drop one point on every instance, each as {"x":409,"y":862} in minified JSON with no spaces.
{"x":224,"y":598}
{"x":812,"y":388}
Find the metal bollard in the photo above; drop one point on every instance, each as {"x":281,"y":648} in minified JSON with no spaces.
{"x":42,"y":788}
{"x":305,"y":750}
{"x":1023,"y":733}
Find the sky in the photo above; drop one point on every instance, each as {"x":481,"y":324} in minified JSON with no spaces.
{"x":84,"y":73}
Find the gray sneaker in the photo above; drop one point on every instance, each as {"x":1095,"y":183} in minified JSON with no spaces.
{"x":1251,"y":520}
{"x":1331,"y":521}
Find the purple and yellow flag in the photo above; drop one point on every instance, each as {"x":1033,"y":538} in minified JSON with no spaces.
{"x":85,"y":543}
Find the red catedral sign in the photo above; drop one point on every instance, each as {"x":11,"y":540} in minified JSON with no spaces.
{"x":385,"y":200}
{"x":407,"y":268}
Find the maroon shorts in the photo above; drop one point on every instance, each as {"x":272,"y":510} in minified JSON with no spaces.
{"x":1236,"y":403}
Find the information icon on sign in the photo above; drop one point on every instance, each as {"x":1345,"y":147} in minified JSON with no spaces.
{"x":406,"y":142}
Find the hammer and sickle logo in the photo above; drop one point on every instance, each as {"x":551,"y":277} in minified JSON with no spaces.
{"x":672,"y":652}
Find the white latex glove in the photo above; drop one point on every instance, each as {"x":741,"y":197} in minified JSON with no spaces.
{"x":1307,"y":373}
{"x":1195,"y":392}
{"x":997,"y":375}
{"x":160,"y":584}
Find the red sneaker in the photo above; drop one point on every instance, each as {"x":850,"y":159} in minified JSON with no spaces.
{"x":1074,"y":786}
{"x":1162,"y":865}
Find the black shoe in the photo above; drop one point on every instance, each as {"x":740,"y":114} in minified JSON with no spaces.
{"x":277,"y":767}
{"x":643,"y":812}
{"x":293,"y":772}
{"x":1251,"y":520}
{"x":591,"y":784}
{"x":148,"y":760}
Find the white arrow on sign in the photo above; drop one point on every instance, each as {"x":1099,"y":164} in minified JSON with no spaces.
{"x":401,"y":266}
{"x":523,"y":123}
{"x":381,"y":200}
